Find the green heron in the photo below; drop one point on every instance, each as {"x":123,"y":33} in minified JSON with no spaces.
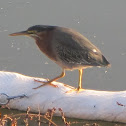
{"x":67,"y":48}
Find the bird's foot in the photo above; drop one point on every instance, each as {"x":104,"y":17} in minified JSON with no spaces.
{"x":44,"y":83}
{"x":77,"y":90}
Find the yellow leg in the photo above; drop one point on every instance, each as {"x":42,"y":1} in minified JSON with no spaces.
{"x":80,"y":79}
{"x":49,"y":82}
{"x":79,"y":84}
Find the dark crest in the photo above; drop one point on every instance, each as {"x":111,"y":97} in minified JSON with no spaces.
{"x":40,"y":28}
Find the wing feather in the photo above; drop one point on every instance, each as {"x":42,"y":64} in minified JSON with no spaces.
{"x":73,"y":48}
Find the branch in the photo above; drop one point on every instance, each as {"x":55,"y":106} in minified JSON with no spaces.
{"x":88,"y":104}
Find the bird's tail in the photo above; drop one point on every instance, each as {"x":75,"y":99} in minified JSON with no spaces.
{"x":105,"y":62}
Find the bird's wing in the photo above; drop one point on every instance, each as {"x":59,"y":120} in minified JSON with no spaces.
{"x":75,"y":56}
{"x":73,"y":48}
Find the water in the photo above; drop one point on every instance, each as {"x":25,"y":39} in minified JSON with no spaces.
{"x":103,"y":22}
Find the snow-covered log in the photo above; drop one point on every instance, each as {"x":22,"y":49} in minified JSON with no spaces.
{"x":88,"y":104}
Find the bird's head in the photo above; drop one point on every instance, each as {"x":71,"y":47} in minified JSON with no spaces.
{"x":34,"y":31}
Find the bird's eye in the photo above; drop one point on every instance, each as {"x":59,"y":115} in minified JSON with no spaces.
{"x":31,"y":32}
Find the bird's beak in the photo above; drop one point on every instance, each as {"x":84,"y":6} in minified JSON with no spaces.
{"x":20,"y":33}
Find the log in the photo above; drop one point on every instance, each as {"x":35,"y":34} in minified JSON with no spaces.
{"x":88,"y":104}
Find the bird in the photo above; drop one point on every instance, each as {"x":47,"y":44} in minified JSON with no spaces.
{"x":66,"y":47}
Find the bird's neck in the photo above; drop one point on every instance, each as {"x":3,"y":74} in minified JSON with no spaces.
{"x":45,"y":45}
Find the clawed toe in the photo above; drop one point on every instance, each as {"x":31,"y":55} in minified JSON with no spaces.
{"x":75,"y":90}
{"x":44,"y":84}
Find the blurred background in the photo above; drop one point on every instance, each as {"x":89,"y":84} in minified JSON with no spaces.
{"x":102,"y":22}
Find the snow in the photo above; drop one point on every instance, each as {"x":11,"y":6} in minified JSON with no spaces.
{"x":88,"y":104}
